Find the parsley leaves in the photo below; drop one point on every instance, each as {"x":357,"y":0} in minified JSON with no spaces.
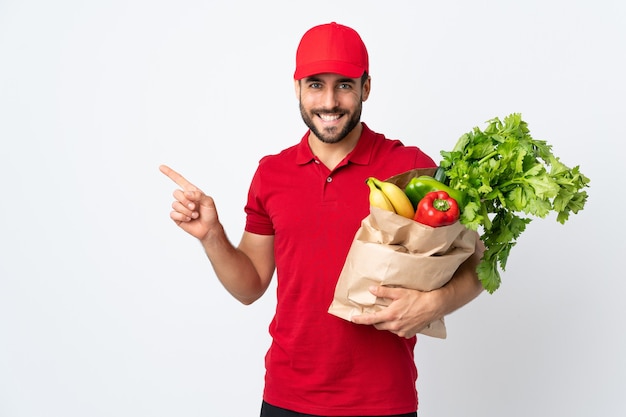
{"x":509,"y":178}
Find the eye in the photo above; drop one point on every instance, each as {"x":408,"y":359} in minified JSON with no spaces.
{"x":315,"y":85}
{"x":345,"y":86}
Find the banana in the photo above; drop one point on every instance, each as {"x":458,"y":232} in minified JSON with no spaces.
{"x":377,"y":197}
{"x":397,"y":197}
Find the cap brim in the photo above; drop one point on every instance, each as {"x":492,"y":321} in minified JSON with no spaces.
{"x":323,"y":67}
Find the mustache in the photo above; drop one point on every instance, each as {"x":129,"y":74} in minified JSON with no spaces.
{"x":334,"y":110}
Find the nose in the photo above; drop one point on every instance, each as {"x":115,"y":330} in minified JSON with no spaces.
{"x":329,"y":99}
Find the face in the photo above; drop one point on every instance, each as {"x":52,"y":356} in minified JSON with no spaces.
{"x":331,"y":104}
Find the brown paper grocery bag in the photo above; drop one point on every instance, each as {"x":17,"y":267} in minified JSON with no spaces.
{"x":392,"y":250}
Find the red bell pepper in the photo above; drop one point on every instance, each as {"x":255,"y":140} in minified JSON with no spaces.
{"x":437,"y":209}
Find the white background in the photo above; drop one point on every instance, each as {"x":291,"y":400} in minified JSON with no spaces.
{"x":108,"y":309}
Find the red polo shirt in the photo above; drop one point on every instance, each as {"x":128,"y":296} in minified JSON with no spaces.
{"x":318,"y":363}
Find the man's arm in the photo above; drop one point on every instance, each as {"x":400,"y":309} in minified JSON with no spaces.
{"x":411,"y":311}
{"x":246,"y":270}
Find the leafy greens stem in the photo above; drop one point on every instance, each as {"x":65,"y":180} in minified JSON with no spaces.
{"x":513,"y":181}
{"x":485,"y":158}
{"x":485,"y":214}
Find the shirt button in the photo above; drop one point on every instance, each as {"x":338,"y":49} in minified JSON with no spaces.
{"x":316,"y":161}
{"x":329,"y":179}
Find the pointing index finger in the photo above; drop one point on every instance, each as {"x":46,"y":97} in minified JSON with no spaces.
{"x":177,"y":178}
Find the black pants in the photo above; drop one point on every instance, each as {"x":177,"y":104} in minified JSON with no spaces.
{"x":268,"y":410}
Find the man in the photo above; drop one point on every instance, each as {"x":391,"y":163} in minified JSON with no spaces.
{"x":304,"y":206}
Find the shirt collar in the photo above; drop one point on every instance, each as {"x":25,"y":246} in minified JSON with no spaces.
{"x":361,"y":154}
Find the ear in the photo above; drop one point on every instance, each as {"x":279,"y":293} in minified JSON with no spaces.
{"x":365,"y":89}
{"x":296,"y":86}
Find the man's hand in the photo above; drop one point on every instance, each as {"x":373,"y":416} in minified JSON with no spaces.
{"x":409,"y":312}
{"x":193,"y":210}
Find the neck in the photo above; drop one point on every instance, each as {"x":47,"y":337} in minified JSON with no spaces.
{"x":331,"y":154}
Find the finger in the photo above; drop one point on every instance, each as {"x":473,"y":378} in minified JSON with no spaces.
{"x":366,"y":318}
{"x":380,"y":321}
{"x":381,"y":291}
{"x":179,"y":217}
{"x":188,"y":213}
{"x":177,"y":178}
{"x":188,"y":198}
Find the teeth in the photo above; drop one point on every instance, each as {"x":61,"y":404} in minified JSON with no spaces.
{"x":329,"y":117}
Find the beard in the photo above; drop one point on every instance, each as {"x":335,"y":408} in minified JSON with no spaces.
{"x":332,"y":134}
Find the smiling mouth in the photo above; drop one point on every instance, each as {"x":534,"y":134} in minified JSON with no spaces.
{"x":329,"y":117}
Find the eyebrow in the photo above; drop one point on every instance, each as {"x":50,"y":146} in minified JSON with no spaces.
{"x":340,"y":80}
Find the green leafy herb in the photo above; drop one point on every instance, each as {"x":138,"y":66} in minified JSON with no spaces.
{"x":509,"y":178}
